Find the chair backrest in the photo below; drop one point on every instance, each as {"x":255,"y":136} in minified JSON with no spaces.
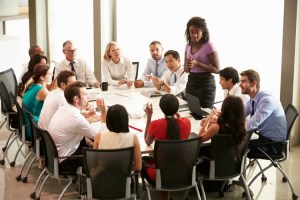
{"x":6,"y":102}
{"x":135,"y":69}
{"x":10,"y":81}
{"x":50,"y":153}
{"x":109,"y":171}
{"x":175,"y":162}
{"x":36,"y":141}
{"x":291,"y":114}
{"x":227,"y":163}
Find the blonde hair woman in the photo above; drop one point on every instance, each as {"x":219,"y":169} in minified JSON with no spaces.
{"x":117,"y":69}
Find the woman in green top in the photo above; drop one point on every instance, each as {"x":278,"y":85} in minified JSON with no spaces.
{"x":36,"y":93}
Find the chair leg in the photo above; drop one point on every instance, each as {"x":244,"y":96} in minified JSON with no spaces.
{"x":2,"y":162}
{"x":24,"y":179}
{"x":202,"y":189}
{"x":43,"y":183}
{"x":18,"y":178}
{"x":12,"y":163}
{"x":63,"y":192}
{"x":33,"y":194}
{"x":245,"y":186}
{"x":197,"y":192}
{"x":257,"y":175}
{"x":295,"y":196}
{"x":148,"y":193}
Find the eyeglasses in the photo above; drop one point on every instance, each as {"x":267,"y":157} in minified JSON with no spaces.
{"x":72,"y":51}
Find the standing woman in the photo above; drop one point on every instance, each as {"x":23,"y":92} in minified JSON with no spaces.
{"x":34,"y":97}
{"x":117,"y":69}
{"x":201,"y":60}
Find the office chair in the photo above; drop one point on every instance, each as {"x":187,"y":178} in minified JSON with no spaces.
{"x":175,"y":166}
{"x":11,"y":119}
{"x":224,"y":164}
{"x":52,"y":166}
{"x":291,"y":114}
{"x":36,"y":151}
{"x":108,"y":173}
{"x":9,"y":79}
{"x":135,"y":69}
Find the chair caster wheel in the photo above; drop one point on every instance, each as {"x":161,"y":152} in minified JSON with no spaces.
{"x":263,"y":178}
{"x":295,"y":196}
{"x":32,"y":195}
{"x":2,"y":162}
{"x":12,"y":164}
{"x":4,"y":149}
{"x":18,"y":178}
{"x":24,"y":179}
{"x":284,"y":180}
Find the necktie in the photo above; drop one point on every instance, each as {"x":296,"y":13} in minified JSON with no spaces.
{"x":156,"y":69}
{"x":175,"y":79}
{"x":252,"y":111}
{"x":72,"y":67}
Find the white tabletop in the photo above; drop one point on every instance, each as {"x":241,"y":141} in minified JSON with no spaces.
{"x":134,"y":101}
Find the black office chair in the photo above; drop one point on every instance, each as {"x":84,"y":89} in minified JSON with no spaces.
{"x":224,"y":163}
{"x":11,"y":119}
{"x":9,"y":79}
{"x":36,"y":151}
{"x":52,"y":166}
{"x":135,"y":69}
{"x":175,"y":165}
{"x":291,"y":114}
{"x":108,"y":173}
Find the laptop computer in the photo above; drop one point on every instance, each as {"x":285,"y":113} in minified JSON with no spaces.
{"x":194,"y":105}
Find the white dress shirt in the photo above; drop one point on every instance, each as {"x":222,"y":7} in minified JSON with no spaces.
{"x":83,"y":72}
{"x":54,"y":100}
{"x":114,"y":72}
{"x":236,"y":91}
{"x":68,"y":127}
{"x":181,"y":80}
{"x":151,"y":69}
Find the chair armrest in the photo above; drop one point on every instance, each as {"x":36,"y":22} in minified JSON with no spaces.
{"x":199,"y":161}
{"x":74,"y":156}
{"x":268,"y":143}
{"x":205,"y":158}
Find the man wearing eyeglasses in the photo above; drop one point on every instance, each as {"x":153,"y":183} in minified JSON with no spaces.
{"x":77,"y":65}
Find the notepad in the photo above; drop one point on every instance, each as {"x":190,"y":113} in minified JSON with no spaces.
{"x":151,"y":94}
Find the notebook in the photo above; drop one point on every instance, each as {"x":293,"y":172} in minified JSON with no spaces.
{"x":194,"y":105}
{"x":151,"y":94}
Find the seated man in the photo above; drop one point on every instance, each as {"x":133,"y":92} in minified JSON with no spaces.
{"x":266,"y":114}
{"x":77,"y":65}
{"x":175,"y":79}
{"x":55,"y":99}
{"x":155,"y":65}
{"x":70,"y":130}
{"x":229,"y":81}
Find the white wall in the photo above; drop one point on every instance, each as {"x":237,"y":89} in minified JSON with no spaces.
{"x":247,"y":34}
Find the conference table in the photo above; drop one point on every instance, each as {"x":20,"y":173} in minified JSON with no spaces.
{"x":134,"y":100}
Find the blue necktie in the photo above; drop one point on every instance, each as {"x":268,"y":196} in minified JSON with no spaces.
{"x":175,"y":79}
{"x":156,"y":69}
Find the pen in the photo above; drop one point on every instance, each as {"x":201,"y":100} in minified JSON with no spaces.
{"x":137,"y":129}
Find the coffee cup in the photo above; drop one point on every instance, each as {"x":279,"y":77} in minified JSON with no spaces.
{"x":104,"y":86}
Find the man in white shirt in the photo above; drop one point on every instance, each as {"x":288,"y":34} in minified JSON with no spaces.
{"x":69,"y":129}
{"x":79,"y":66}
{"x":33,"y":50}
{"x":175,"y":79}
{"x":155,"y":65}
{"x":229,"y":81}
{"x":55,"y":99}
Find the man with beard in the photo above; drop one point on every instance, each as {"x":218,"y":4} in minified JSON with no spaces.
{"x":266,"y":113}
{"x":70,"y":130}
{"x":155,"y":66}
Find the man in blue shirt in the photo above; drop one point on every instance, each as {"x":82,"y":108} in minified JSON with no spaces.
{"x":266,"y":113}
{"x":155,"y":67}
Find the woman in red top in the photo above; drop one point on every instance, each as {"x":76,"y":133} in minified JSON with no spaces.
{"x":172,"y":127}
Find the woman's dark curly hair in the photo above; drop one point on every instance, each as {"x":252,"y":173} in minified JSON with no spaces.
{"x":199,"y":23}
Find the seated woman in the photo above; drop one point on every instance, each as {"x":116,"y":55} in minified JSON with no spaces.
{"x":231,"y":121}
{"x":36,"y":93}
{"x":118,"y":135}
{"x":172,"y":127}
{"x":117,"y":69}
